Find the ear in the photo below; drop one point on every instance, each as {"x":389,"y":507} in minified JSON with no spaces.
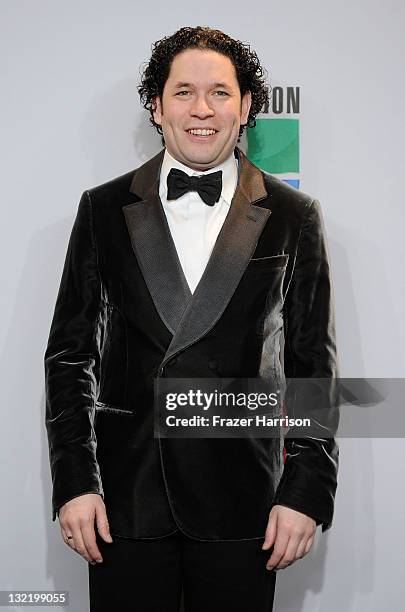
{"x":245,"y":107}
{"x":157,"y":110}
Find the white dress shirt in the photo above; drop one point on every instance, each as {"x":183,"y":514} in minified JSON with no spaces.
{"x":194,"y":225}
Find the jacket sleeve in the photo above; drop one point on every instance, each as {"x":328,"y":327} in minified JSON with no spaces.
{"x":72,"y":361}
{"x":309,"y":479}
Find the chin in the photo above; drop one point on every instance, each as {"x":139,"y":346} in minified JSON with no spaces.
{"x":202,"y":157}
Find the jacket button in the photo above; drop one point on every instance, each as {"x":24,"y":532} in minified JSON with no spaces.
{"x":213,"y":364}
{"x":161,"y":370}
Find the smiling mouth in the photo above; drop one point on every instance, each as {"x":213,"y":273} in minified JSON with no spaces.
{"x":202,"y":132}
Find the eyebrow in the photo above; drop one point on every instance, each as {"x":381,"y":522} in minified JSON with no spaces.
{"x":185,"y":84}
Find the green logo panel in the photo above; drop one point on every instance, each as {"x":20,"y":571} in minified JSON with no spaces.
{"x":273,"y":145}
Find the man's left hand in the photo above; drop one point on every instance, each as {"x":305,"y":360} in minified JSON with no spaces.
{"x":292,"y":534}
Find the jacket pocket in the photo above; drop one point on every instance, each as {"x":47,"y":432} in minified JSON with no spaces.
{"x":103,"y":407}
{"x":114,"y":362}
{"x":265,"y":263}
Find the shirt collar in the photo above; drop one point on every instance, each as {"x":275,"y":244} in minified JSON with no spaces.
{"x":229,"y":174}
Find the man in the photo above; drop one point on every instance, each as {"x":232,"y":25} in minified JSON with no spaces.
{"x":168,"y":276}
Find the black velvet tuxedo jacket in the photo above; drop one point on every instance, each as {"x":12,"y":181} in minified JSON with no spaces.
{"x":125,"y":314}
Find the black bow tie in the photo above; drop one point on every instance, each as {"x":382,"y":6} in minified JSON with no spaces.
{"x":208,"y":186}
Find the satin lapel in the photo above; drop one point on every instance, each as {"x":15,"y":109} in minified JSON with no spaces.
{"x":232,"y":251}
{"x":154,"y":247}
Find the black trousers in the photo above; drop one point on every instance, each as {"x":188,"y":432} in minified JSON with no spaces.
{"x":150,"y":576}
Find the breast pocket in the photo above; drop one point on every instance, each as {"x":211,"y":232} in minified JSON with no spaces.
{"x":268,"y":263}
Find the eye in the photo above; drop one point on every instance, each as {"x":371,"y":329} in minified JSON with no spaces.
{"x":221,"y":93}
{"x":183,"y":91}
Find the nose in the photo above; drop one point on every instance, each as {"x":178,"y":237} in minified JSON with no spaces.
{"x":201,"y":108}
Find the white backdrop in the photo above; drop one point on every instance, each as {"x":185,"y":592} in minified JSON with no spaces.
{"x":71,"y":119}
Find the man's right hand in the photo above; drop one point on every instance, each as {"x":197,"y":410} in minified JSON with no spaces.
{"x":76,"y":518}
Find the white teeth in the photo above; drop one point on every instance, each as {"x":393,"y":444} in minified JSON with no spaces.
{"x":202,"y":132}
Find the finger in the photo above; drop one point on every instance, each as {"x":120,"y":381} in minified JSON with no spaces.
{"x":67,"y":536}
{"x":89,"y":539}
{"x":280,"y":547}
{"x":302,"y":547}
{"x":290,"y":554}
{"x":64,"y":533}
{"x":309,"y":544}
{"x":271,"y":531}
{"x":79,"y":544}
{"x":102,"y":524}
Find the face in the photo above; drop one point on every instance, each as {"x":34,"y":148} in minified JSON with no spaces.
{"x":201,"y":109}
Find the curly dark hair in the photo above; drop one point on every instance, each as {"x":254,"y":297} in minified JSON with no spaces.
{"x":250,"y":74}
